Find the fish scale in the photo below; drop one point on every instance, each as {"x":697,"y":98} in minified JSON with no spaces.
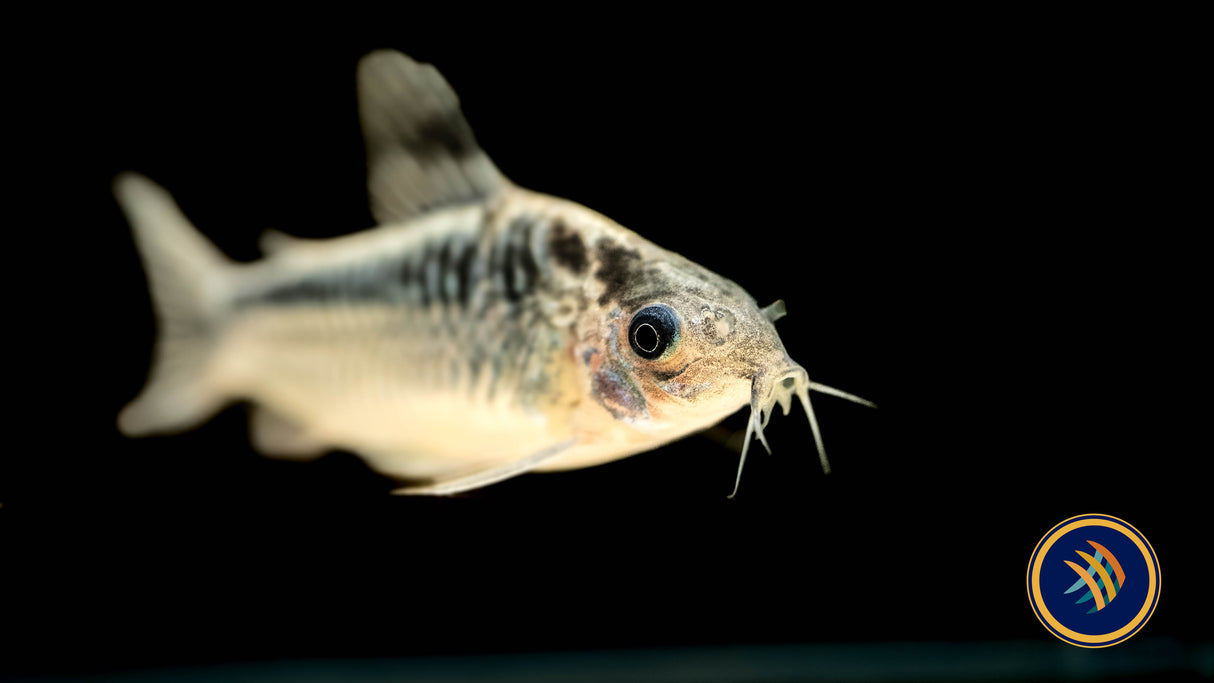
{"x":479,"y":332}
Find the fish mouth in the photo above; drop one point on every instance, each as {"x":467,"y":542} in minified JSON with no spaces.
{"x":769,"y":388}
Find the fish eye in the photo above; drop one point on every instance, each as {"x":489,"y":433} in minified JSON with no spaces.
{"x":654,"y":331}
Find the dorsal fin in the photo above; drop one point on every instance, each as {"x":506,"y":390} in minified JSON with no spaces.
{"x":421,"y":153}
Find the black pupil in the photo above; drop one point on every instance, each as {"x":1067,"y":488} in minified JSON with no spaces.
{"x":654,"y":330}
{"x":646,"y":337}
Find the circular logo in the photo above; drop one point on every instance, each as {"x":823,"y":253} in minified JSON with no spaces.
{"x":1093,"y":580}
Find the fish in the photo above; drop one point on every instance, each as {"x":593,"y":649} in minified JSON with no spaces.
{"x":478,"y":332}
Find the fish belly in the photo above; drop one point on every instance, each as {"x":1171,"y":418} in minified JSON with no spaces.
{"x":381,"y":382}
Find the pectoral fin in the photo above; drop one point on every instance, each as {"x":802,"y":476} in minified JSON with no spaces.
{"x":486,"y":477}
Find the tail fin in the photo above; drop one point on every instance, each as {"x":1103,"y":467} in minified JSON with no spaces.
{"x":183,"y":271}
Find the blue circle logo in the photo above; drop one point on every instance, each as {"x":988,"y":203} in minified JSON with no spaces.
{"x":1093,"y":581}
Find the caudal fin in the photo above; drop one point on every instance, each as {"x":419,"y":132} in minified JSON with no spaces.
{"x":184,"y":272}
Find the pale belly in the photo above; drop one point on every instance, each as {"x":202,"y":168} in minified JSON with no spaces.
{"x":358,"y":380}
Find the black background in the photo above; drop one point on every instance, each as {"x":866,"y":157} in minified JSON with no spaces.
{"x":983,"y":224}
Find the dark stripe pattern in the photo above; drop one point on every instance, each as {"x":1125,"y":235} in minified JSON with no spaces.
{"x":475,"y":294}
{"x":454,"y":273}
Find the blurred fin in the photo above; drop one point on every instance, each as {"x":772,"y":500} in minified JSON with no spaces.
{"x":421,"y":153}
{"x":275,"y":241}
{"x":486,"y":477}
{"x":183,"y":270}
{"x":275,"y":436}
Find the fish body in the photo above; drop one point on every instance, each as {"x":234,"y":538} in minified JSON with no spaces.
{"x":480,"y":331}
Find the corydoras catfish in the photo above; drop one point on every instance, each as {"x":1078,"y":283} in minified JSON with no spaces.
{"x":481,"y":331}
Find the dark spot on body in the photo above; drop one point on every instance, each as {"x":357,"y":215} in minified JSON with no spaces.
{"x":445,"y":264}
{"x":420,"y":274}
{"x":521,"y":227}
{"x":495,"y":264}
{"x":411,"y":274}
{"x":618,"y":267}
{"x":619,"y":396}
{"x":464,"y":273}
{"x":567,"y":248}
{"x":405,"y":275}
{"x":507,"y":265}
{"x":514,"y":261}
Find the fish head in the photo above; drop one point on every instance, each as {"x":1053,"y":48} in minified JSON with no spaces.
{"x":673,"y":348}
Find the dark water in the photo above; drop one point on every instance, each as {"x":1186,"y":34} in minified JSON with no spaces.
{"x":987,"y":239}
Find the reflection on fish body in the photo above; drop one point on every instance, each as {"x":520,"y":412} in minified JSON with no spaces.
{"x":479,"y":332}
